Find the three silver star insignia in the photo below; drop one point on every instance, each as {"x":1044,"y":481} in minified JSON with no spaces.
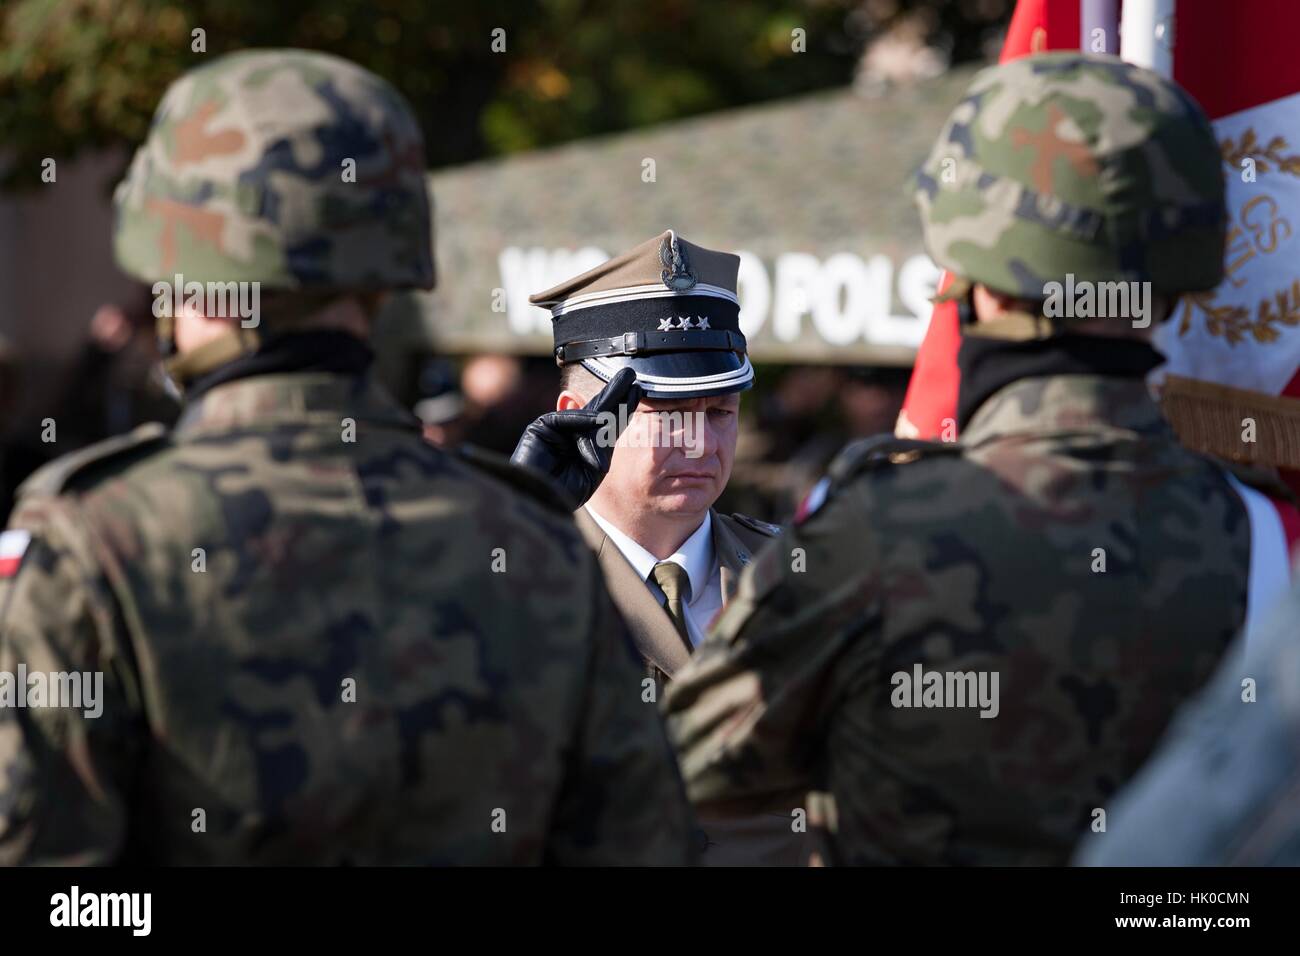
{"x":683,"y":323}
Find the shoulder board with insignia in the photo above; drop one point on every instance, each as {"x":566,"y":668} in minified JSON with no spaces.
{"x":753,"y":524}
{"x":55,"y":477}
{"x":879,"y":450}
{"x":874,"y":452}
{"x":531,"y":483}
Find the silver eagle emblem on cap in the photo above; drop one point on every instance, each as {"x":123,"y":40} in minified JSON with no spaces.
{"x":677,"y":274}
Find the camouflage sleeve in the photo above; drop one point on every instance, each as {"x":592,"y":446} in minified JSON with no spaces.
{"x":747,"y":715}
{"x":63,"y":764}
{"x":623,"y":802}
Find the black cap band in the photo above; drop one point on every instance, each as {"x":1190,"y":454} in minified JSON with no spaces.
{"x":645,"y":343}
{"x":646,"y":319}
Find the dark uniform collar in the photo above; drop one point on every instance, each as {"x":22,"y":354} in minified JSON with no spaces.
{"x":1052,"y":403}
{"x":293,"y":398}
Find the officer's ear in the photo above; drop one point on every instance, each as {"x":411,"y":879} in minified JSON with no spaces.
{"x":577,"y":388}
{"x":569,"y":400}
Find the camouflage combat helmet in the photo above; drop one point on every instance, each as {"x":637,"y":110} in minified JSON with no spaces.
{"x":293,"y":169}
{"x":1072,"y":164}
{"x":242,"y":178}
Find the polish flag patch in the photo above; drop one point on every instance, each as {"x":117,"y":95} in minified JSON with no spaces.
{"x":812,"y":501}
{"x":13,"y":545}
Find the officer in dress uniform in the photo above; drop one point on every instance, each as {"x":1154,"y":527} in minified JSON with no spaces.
{"x":652,"y":356}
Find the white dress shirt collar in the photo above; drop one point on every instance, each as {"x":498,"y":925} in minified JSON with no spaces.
{"x":696,"y":554}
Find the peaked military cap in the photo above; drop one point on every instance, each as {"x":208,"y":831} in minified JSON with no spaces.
{"x":668,"y":309}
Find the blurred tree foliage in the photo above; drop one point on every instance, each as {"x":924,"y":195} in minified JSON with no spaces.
{"x":86,"y":74}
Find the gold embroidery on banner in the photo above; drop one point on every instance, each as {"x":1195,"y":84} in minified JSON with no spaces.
{"x":1255,"y":231}
{"x":1233,"y":322}
{"x":1234,"y":153}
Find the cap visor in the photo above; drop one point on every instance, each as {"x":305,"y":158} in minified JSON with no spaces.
{"x":667,"y":375}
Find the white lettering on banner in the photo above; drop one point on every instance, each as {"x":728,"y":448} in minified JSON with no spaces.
{"x":840,"y":306}
{"x":528,"y":271}
{"x":796,"y":282}
{"x":846,"y":299}
{"x":754,"y":290}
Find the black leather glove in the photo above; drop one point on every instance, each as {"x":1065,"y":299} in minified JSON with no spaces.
{"x":563,"y":445}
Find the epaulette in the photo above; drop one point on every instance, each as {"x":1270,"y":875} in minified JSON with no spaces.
{"x":753,"y":524}
{"x":55,"y":477}
{"x":884,"y":449}
{"x":530,"y":482}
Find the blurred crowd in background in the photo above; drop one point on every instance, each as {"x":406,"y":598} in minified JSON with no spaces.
{"x":111,"y":387}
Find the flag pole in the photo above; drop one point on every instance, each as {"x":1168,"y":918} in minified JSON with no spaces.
{"x":1099,"y":26}
{"x":1147,"y":34}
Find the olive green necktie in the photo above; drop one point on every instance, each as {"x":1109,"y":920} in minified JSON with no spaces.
{"x":676,"y":585}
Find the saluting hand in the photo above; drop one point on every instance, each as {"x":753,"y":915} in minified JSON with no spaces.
{"x":565,"y":446}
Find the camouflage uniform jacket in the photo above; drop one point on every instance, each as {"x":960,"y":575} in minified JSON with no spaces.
{"x":984,"y":557}
{"x":238,"y":580}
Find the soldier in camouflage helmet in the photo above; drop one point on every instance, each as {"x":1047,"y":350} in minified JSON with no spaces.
{"x":971,"y":646}
{"x":315,"y":637}
{"x":1061,"y":166}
